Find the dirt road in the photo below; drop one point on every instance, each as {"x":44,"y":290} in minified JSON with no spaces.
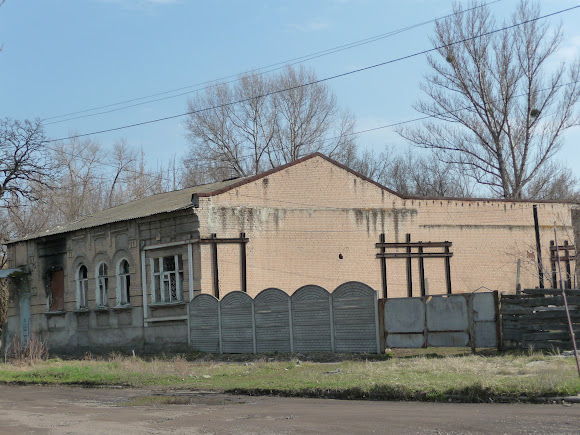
{"x":62,"y":410}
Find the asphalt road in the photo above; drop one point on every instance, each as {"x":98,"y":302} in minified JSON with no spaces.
{"x":63,"y":410}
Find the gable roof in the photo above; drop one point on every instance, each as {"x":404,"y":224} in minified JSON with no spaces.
{"x":182,"y":199}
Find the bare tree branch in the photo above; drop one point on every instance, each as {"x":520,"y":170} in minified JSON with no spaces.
{"x":267,"y":129}
{"x":505,"y":107}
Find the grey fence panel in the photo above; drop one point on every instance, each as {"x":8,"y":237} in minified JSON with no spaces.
{"x":272,"y":320}
{"x":483,"y":307}
{"x":204,"y":324}
{"x":486,"y":334}
{"x":237,"y":319}
{"x":355,"y":318}
{"x":441,"y":321}
{"x":405,"y":340}
{"x":447,"y":313}
{"x":311,"y":319}
{"x":448,"y":339}
{"x":405,"y":315}
{"x":484,"y":318}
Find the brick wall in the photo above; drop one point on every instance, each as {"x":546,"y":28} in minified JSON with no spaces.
{"x":301,"y":220}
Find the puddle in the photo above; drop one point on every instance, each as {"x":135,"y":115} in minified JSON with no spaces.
{"x":181,"y":399}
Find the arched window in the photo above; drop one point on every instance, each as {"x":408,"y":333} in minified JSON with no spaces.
{"x":123,"y":283}
{"x":82,"y":285}
{"x":102,"y":285}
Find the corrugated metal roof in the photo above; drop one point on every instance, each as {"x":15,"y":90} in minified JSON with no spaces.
{"x":155,"y":204}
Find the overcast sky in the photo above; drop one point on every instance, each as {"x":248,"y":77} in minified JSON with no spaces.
{"x":70,"y":56}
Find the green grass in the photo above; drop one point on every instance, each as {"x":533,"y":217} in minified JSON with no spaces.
{"x":418,"y":376}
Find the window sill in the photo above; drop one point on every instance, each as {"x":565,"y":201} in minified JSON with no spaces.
{"x":101,"y":309}
{"x":166,"y":304}
{"x":122,"y":307}
{"x":82,"y":311}
{"x":54,"y":313}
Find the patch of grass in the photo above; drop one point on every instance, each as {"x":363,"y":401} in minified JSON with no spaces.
{"x":428,"y":375}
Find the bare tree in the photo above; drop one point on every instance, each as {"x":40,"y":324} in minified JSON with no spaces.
{"x":413,"y":174}
{"x":25,"y":170}
{"x":500,"y":107}
{"x":24,"y":160}
{"x":231,"y":139}
{"x":260,"y":122}
{"x":122,"y":158}
{"x":308,"y":119}
{"x":82,"y":186}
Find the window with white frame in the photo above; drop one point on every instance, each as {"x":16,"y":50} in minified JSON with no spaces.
{"x":167,"y":279}
{"x":102,"y":285}
{"x":82,"y":280}
{"x":123,"y":283}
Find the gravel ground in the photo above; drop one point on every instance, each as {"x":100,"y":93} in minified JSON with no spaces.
{"x":60,"y":410}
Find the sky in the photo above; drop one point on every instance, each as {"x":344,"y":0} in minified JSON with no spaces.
{"x":71,"y":56}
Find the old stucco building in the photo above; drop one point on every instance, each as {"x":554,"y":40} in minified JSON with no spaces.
{"x":122,"y":277}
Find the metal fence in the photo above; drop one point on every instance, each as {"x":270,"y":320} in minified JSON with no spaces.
{"x":310,"y":320}
{"x":459,"y":320}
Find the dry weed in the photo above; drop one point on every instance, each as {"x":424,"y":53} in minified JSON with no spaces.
{"x":33,"y":351}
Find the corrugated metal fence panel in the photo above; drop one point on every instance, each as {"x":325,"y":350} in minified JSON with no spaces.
{"x":204,"y":324}
{"x":272,"y":319}
{"x":484,"y":317}
{"x":353,"y":307}
{"x":237,"y":323}
{"x":311,"y":319}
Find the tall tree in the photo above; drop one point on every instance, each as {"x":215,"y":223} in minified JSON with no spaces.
{"x":25,"y":168}
{"x":499,"y":104}
{"x":260,"y":122}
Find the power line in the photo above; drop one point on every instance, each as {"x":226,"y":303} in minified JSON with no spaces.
{"x":314,"y":82}
{"x":421,"y":118}
{"x":269,"y":68}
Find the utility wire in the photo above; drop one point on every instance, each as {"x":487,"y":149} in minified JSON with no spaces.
{"x":408,"y":121}
{"x":269,"y":69}
{"x":314,"y":82}
{"x":421,"y":118}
